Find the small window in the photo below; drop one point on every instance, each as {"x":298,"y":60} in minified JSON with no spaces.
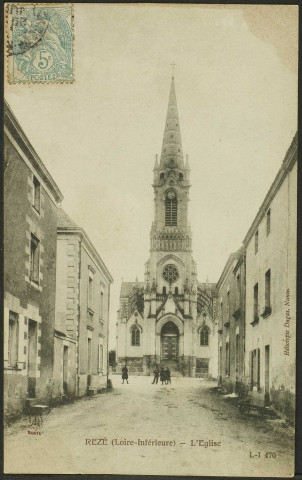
{"x":255,"y":368}
{"x":164,"y":291}
{"x":101,"y":305}
{"x":228,"y":306}
{"x":181,"y":177}
{"x":162,"y":176}
{"x":204,"y":337}
{"x":256,"y":302}
{"x":100,"y":358}
{"x":89,"y":353}
{"x":135,"y":336}
{"x":237,"y":353}
{"x":36,"y":194}
{"x":176,"y":290}
{"x":268,"y":289}
{"x":256,"y":241}
{"x":34,"y":259}
{"x":227,"y":359}
{"x":13,"y":339}
{"x":90,"y":289}
{"x":238,"y":289}
{"x":268,"y":222}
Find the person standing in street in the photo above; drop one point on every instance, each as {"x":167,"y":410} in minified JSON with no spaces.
{"x":125,"y":373}
{"x":162,"y":376}
{"x":168,"y":375}
{"x":156,"y":374}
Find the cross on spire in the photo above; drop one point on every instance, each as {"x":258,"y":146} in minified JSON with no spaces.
{"x":173,"y":65}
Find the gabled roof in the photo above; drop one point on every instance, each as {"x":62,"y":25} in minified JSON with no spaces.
{"x":66,"y":225}
{"x":13,"y":128}
{"x":64,"y":221}
{"x":168,"y":299}
{"x":287,"y":164}
{"x":127,"y":288}
{"x":230,"y":261}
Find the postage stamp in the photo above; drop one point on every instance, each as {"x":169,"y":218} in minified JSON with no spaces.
{"x":39,"y":40}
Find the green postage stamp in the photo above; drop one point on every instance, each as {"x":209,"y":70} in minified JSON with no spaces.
{"x":39,"y":43}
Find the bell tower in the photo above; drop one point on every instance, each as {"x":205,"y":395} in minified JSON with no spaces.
{"x":167,"y":320}
{"x":170,"y":230}
{"x":170,"y":275}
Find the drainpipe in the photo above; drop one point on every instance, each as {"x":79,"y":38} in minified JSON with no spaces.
{"x":79,"y":317}
{"x":107,"y":332}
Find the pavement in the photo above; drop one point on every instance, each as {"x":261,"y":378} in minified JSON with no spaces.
{"x":186,"y":428}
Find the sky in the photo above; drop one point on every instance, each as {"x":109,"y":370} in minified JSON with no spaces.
{"x":236,"y":88}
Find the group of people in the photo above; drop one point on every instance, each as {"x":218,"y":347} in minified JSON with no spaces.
{"x":164,"y":375}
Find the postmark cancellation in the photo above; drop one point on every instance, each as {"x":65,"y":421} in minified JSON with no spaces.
{"x":39,"y":43}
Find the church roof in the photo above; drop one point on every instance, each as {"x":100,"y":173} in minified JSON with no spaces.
{"x":127,"y":288}
{"x":208,"y":288}
{"x":172,"y":147}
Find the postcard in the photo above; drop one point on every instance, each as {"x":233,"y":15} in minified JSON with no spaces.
{"x":150,"y":222}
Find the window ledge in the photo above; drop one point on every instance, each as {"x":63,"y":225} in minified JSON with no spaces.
{"x":89,"y":310}
{"x":35,"y":284}
{"x":14,"y":369}
{"x":37,"y":212}
{"x":255,"y":321}
{"x":266,"y":312}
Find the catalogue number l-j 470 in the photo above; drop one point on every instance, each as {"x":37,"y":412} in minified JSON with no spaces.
{"x":263,"y":454}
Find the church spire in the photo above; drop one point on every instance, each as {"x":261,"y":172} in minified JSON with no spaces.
{"x":171,"y":153}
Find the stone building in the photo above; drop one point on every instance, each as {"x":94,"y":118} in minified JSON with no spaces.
{"x":169,"y":319}
{"x":271,"y":291}
{"x":82,"y":311}
{"x":30,"y":225}
{"x":231,"y":322}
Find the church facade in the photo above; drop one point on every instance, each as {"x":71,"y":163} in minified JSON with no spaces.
{"x":170,"y":318}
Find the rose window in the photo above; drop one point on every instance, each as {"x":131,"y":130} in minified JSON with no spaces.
{"x":170,"y":273}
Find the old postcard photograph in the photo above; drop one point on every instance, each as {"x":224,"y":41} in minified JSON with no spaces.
{"x":150,"y":224}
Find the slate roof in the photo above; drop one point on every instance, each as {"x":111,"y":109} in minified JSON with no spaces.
{"x":204,"y":286}
{"x":127,"y":288}
{"x":64,"y":221}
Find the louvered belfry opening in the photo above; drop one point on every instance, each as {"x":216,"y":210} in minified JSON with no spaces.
{"x":171,"y":212}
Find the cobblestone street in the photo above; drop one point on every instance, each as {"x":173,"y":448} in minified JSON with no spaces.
{"x":180,"y":414}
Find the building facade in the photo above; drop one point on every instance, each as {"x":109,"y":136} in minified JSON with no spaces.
{"x":231,"y":322}
{"x":82,"y":312}
{"x":169,"y":319}
{"x":271,"y":292}
{"x":30,"y":224}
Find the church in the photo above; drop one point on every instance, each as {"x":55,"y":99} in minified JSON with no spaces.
{"x":169,"y":319}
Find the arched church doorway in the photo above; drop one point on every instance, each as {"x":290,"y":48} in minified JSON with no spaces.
{"x":169,"y":343}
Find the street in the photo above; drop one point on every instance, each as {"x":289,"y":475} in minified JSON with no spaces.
{"x":194,"y":430}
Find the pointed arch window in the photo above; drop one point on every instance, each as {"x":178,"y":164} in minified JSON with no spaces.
{"x":171,"y":209}
{"x":204,"y":336}
{"x":135,"y":336}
